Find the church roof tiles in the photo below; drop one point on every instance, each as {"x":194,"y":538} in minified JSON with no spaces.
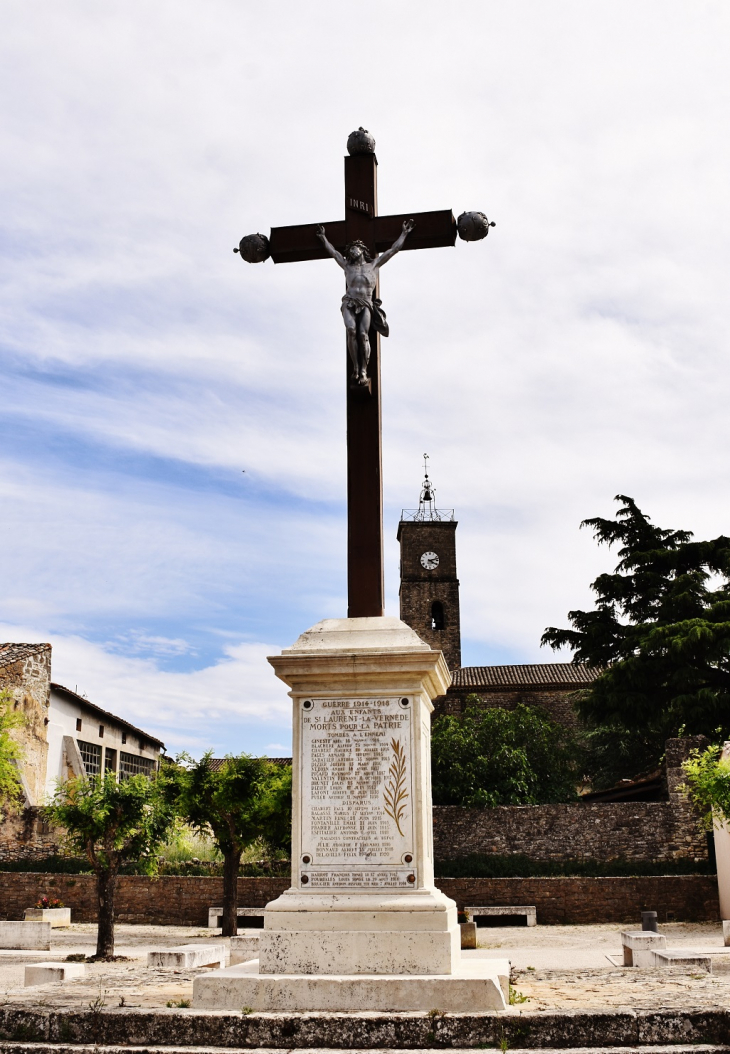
{"x":531,"y":675}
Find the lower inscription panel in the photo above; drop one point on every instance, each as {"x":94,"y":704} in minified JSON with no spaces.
{"x":380,"y":879}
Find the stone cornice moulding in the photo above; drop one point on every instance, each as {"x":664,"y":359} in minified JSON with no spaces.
{"x":361,"y":655}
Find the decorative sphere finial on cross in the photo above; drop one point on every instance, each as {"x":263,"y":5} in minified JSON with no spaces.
{"x":254,"y":248}
{"x":473,"y":226}
{"x":360,"y":142}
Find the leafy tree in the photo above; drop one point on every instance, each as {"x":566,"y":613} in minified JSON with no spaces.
{"x":243,"y":800}
{"x":612,"y":753}
{"x":111,"y":823}
{"x":10,"y":753}
{"x":493,"y":756}
{"x":660,"y":630}
{"x":708,"y":785}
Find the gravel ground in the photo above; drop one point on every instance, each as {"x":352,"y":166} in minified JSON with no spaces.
{"x":554,"y":967}
{"x":132,"y":981}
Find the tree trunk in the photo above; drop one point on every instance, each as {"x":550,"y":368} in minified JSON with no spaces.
{"x":106,"y":886}
{"x":231,"y":862}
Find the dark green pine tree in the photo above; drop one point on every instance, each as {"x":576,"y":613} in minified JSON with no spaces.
{"x":660,"y":630}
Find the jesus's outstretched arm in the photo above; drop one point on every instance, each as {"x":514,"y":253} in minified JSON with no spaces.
{"x":408,"y":226}
{"x":329,"y":248}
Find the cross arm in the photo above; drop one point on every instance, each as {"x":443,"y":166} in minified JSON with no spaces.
{"x":432,"y":230}
{"x":289,"y":244}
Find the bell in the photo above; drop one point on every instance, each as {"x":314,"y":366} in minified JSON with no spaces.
{"x":427,"y":495}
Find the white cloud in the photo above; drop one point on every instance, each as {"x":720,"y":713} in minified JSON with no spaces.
{"x":579,"y":352}
{"x":219,"y":707}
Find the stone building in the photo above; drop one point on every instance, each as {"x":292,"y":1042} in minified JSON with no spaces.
{"x":644,"y":819}
{"x":63,"y":734}
{"x":550,"y":685}
{"x":83,"y":739}
{"x":25,"y":672}
{"x":429,"y":587}
{"x":429,"y":604}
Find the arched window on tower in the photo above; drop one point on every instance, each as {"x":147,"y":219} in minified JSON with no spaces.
{"x":437,"y":615}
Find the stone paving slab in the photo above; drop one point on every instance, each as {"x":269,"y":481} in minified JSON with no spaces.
{"x":637,"y":988}
{"x":136,"y":985}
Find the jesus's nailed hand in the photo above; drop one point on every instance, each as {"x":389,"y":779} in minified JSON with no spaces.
{"x":319,"y":230}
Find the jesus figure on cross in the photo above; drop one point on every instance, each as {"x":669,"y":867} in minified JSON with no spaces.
{"x":360,"y":308}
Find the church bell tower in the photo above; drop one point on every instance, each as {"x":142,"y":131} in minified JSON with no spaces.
{"x":429,"y":588}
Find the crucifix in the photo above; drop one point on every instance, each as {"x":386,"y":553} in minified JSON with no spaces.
{"x":355,"y":243}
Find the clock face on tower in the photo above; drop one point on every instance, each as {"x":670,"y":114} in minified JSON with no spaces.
{"x":430,"y":561}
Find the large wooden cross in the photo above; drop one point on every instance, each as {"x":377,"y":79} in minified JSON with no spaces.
{"x":364,"y":433}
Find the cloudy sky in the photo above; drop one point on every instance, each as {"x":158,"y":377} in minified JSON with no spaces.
{"x":581,"y":351}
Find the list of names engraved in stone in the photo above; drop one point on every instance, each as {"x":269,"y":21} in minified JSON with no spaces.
{"x":379,"y":878}
{"x":356,"y":789}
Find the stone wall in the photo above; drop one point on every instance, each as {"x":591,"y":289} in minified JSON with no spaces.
{"x":185,"y":901}
{"x":559,"y":702}
{"x":164,"y":901}
{"x":26,"y":836}
{"x":680,"y":898}
{"x":28,"y":679}
{"x":640,"y":831}
{"x":582,"y":830}
{"x":629,"y":830}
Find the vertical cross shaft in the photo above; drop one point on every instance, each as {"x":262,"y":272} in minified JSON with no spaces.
{"x":365,"y":583}
{"x":430,"y":230}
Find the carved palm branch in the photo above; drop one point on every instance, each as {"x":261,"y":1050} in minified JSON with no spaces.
{"x":395,"y":793}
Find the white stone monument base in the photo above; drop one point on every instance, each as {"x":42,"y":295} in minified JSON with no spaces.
{"x":345,"y":933}
{"x":478,"y":984}
{"x":356,"y":952}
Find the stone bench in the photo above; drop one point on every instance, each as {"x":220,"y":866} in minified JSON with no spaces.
{"x":215,"y":916}
{"x":188,"y":956}
{"x":58,"y":917}
{"x":529,"y":911}
{"x":687,"y":958}
{"x":640,"y":946}
{"x":49,"y":973}
{"x":29,"y":935}
{"x":243,"y":949}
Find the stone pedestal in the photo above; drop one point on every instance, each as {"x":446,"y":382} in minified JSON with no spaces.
{"x":362,"y":913}
{"x":58,"y":917}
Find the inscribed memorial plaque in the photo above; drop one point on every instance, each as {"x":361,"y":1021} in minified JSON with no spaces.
{"x":357,"y":793}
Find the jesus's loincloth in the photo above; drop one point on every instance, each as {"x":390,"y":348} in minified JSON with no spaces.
{"x":357,"y":304}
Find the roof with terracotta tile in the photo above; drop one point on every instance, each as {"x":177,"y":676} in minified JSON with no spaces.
{"x":13,"y":652}
{"x":218,"y":763}
{"x":83,"y":702}
{"x":531,"y":675}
